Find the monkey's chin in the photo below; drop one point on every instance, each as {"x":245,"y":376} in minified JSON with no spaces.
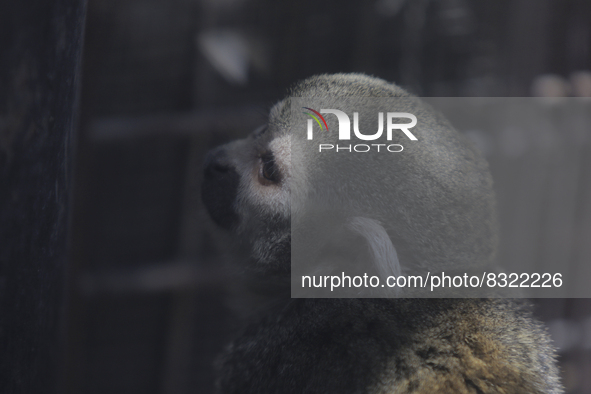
{"x":272,"y":259}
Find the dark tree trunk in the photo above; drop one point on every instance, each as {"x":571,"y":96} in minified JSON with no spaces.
{"x":40,"y":52}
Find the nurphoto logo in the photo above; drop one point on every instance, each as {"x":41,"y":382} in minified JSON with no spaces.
{"x":345,"y":130}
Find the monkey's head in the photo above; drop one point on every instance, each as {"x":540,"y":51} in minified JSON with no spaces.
{"x":430,"y":205}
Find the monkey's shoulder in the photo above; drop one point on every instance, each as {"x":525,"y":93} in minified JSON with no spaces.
{"x":392,"y":346}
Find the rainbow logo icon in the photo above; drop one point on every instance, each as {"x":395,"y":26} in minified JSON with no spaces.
{"x":316,"y":118}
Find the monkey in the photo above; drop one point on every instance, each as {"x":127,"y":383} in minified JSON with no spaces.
{"x":431,"y":208}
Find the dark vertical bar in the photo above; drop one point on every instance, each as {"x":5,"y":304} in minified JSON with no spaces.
{"x":40,"y":48}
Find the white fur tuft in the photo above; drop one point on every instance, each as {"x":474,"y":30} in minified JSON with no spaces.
{"x":380,"y":245}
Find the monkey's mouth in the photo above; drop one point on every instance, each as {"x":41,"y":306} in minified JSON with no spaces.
{"x":220,"y":188}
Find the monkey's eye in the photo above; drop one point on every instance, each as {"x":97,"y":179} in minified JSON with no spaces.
{"x":268,"y":172}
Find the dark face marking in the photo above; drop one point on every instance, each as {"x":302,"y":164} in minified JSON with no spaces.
{"x":219,"y":188}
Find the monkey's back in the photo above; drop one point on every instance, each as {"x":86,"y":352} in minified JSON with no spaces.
{"x":392,"y":346}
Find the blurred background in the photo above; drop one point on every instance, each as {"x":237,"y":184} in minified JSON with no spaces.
{"x":112,"y":278}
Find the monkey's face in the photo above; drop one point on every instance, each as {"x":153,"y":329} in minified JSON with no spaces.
{"x":246,"y":190}
{"x":432,"y":205}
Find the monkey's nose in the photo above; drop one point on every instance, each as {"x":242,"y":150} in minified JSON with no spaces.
{"x":216,"y":163}
{"x":220,"y":188}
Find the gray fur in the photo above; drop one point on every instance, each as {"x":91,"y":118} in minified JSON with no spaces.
{"x":439,"y":213}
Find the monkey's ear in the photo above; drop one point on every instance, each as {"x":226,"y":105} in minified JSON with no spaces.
{"x":380,"y":246}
